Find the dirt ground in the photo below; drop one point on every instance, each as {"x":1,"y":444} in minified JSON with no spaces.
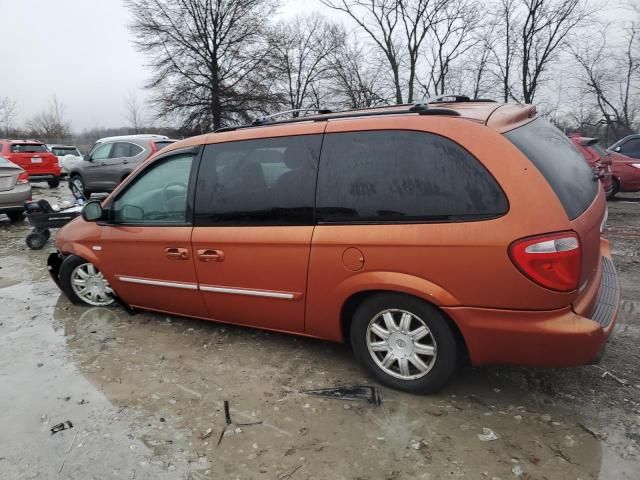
{"x":145,"y":395}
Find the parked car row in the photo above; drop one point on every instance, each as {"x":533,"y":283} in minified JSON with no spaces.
{"x":109,"y":161}
{"x":422,"y":235}
{"x":617,"y":172}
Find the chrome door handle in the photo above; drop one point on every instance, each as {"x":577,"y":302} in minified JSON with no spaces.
{"x":209,"y":255}
{"x":177,"y":253}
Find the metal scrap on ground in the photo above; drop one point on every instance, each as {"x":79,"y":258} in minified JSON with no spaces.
{"x":357,"y":392}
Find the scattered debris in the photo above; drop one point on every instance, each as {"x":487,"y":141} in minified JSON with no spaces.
{"x":68,"y":450}
{"x":205,"y":435}
{"x":517,"y":470}
{"x":355,"y":393}
{"x":589,"y":431}
{"x":227,"y":430}
{"x":61,"y":426}
{"x":487,"y":435}
{"x":40,"y":364}
{"x":289,"y":474}
{"x":83,"y":402}
{"x":607,"y":373}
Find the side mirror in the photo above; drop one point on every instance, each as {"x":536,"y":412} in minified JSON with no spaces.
{"x":618,"y":149}
{"x":86,"y":157}
{"x":92,"y":211}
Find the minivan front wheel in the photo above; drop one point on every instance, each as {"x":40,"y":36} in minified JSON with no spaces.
{"x":404,"y":342}
{"x":83,"y":283}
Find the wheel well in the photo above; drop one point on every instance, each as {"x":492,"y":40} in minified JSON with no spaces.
{"x":354,"y":301}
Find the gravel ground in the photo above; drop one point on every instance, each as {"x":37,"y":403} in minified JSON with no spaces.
{"x":145,"y":395}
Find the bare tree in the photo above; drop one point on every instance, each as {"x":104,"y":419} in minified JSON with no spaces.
{"x":208,"y":58}
{"x":134,"y":112}
{"x":397,"y":28}
{"x":356,"y":77}
{"x":8,"y":114}
{"x":453,"y":35}
{"x":50,"y":123}
{"x":301,"y":49}
{"x":611,"y":77}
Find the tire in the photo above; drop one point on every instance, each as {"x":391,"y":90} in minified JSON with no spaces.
{"x":16,"y":216}
{"x":67,"y":275}
{"x":616,"y":188}
{"x":54,"y":183}
{"x":35,"y":241}
{"x":77,"y":187}
{"x":436,"y":369}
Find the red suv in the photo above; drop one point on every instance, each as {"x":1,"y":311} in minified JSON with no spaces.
{"x":34,"y":157}
{"x":598,"y":159}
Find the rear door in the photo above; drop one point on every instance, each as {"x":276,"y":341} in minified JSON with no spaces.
{"x":94,"y":170}
{"x":121,"y":161}
{"x":145,"y":249}
{"x":254,"y":217}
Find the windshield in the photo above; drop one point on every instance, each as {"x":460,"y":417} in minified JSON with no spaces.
{"x":62,"y":151}
{"x":599,"y":150}
{"x":28,"y":148}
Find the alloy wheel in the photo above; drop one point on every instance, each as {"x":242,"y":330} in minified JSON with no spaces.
{"x":90,"y":285}
{"x":401,"y":344}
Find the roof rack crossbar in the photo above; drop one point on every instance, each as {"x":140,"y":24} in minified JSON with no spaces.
{"x":261,"y":120}
{"x":451,"y":98}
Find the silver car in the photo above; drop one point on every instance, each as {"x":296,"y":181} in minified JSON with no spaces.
{"x":110,"y":160}
{"x":15,"y":189}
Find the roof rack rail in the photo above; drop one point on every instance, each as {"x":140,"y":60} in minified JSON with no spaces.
{"x":261,"y":120}
{"x":450,"y":98}
{"x":324,"y":115}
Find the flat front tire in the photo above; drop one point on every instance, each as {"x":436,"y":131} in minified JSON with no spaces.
{"x":83,"y":283}
{"x":404,"y":342}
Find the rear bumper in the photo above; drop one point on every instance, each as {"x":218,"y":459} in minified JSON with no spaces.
{"x":558,"y":338}
{"x":14,"y":199}
{"x":34,"y":177}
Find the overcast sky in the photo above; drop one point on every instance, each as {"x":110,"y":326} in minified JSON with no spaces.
{"x":79,"y":50}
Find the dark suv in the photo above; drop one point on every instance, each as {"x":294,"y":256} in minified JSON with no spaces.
{"x":629,"y":146}
{"x":110,"y":160}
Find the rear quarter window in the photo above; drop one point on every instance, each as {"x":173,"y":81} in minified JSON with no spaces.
{"x":403,"y":176}
{"x":560,"y":163}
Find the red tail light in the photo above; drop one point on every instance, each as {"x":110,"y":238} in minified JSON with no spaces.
{"x":23,"y":178}
{"x":154,"y":147}
{"x":551,"y":260}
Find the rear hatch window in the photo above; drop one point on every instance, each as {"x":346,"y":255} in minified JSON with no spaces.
{"x":560,"y":163}
{"x":28,"y":148}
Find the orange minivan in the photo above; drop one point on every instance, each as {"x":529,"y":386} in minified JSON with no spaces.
{"x":425,"y":235}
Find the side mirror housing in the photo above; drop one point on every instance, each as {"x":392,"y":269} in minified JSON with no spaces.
{"x":93,"y":211}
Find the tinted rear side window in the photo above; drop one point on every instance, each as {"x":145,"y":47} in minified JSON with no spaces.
{"x":258,"y":182}
{"x":560,"y":163}
{"x":402,"y":176}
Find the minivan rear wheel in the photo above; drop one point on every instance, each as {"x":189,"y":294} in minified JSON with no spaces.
{"x":83,"y":283}
{"x":404,"y":342}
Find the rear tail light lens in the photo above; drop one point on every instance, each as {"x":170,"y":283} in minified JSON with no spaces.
{"x":23,"y":178}
{"x":552,"y":260}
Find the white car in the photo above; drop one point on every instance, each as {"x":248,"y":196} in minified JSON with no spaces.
{"x":67,"y":155}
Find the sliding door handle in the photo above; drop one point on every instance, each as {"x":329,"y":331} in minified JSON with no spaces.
{"x":209,"y":255}
{"x":177,"y":253}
